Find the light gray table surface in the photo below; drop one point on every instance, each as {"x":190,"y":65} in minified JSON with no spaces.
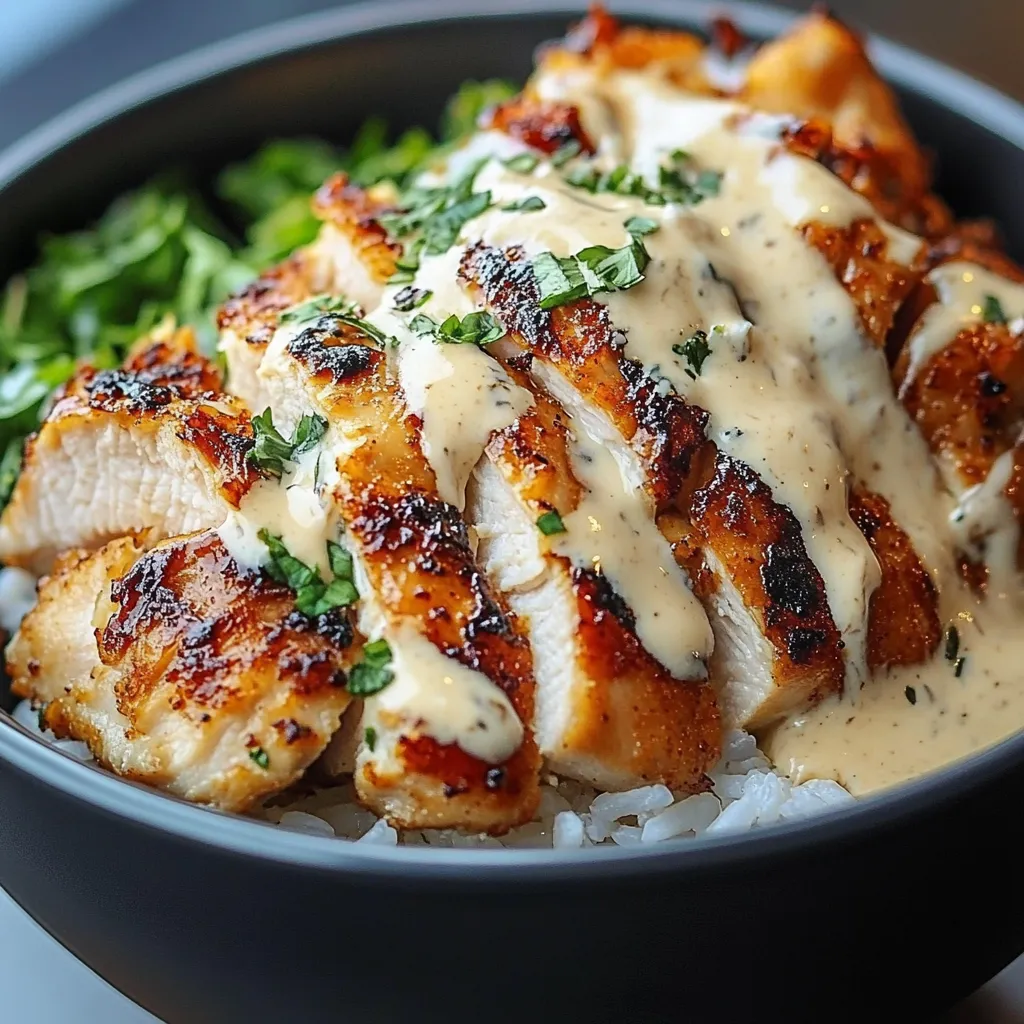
{"x":103,"y":40}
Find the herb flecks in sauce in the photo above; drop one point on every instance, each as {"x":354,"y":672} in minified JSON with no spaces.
{"x":550,"y":523}
{"x":479,"y":328}
{"x":992,"y":310}
{"x":694,"y":350}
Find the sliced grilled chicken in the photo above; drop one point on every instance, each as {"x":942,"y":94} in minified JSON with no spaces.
{"x":352,"y":255}
{"x":448,"y":741}
{"x":154,"y":446}
{"x":777,"y":645}
{"x":903,"y":622}
{"x":607,"y":711}
{"x":182,"y":670}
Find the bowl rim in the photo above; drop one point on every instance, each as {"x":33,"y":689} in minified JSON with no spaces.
{"x":141,"y":806}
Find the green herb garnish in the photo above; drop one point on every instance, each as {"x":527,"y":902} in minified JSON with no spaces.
{"x":958,"y":668}
{"x":522,"y":163}
{"x":694,"y":350}
{"x":678,"y":182}
{"x":565,"y":152}
{"x":992,"y":311}
{"x":271,"y":450}
{"x":313,"y":596}
{"x":550,"y":523}
{"x":260,"y":756}
{"x":592,"y":270}
{"x":313,"y":309}
{"x":640,"y":226}
{"x":374,"y":672}
{"x":370,"y":736}
{"x":478,"y":328}
{"x":528,"y":204}
{"x":411,"y":298}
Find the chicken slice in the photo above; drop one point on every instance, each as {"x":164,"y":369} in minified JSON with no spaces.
{"x":607,"y":712}
{"x":777,"y":645}
{"x":448,"y":742}
{"x":153,"y":446}
{"x":181,"y":670}
{"x":903,"y":617}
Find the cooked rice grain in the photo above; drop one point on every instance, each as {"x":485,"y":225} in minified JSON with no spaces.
{"x":746,"y":793}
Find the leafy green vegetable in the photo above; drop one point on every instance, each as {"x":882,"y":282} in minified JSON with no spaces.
{"x":480,"y":328}
{"x":463,"y":110}
{"x":313,"y":597}
{"x":373,"y":673}
{"x":271,"y":451}
{"x":550,"y":523}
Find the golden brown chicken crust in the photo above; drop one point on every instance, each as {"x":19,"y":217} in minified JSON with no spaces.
{"x":633,"y":718}
{"x":903,"y":617}
{"x":206,"y":681}
{"x":858,"y":254}
{"x":968,"y":399}
{"x":756,"y":541}
{"x":637,"y":717}
{"x":543,"y":126}
{"x":417,"y":553}
{"x":253,"y":312}
{"x":149,"y":390}
{"x":354,"y":212}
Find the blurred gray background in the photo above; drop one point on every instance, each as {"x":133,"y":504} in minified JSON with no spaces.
{"x":55,"y":52}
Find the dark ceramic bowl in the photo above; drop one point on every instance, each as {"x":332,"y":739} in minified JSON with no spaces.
{"x":895,"y":908}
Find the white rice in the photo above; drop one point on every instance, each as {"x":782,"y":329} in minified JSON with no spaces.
{"x":746,"y":793}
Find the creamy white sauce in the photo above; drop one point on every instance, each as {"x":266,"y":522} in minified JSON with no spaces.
{"x":962,"y":288}
{"x":612,"y":531}
{"x":792,"y":387}
{"x":438,"y":696}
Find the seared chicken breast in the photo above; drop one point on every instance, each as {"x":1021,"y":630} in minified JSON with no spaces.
{"x":182,"y":670}
{"x":153,"y":447}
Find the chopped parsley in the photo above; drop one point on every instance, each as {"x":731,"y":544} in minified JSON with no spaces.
{"x":271,"y":450}
{"x":592,"y":270}
{"x":521,"y":163}
{"x":694,"y":350}
{"x":910,"y":693}
{"x":313,"y":596}
{"x":550,"y":523}
{"x":528,"y":204}
{"x":320,"y":305}
{"x":992,"y":310}
{"x":678,"y":181}
{"x":435,"y":216}
{"x":337,"y":308}
{"x":260,"y":756}
{"x":411,"y":298}
{"x":565,"y":153}
{"x":640,"y":226}
{"x":373,"y":673}
{"x":480,"y":328}
{"x":952,"y":643}
{"x":370,"y":736}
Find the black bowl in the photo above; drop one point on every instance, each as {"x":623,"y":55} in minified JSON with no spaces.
{"x":908,"y":901}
